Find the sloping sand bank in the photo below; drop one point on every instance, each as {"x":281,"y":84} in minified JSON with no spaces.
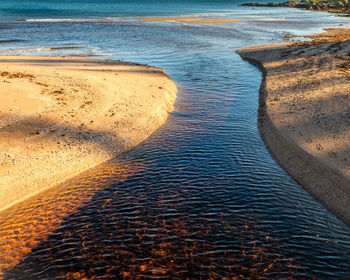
{"x":304,"y":113}
{"x":62,"y":116}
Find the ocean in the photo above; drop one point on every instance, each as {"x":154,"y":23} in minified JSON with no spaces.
{"x":202,"y":198}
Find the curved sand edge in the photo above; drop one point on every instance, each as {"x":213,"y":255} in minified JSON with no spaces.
{"x":301,"y":110}
{"x":62,"y":116}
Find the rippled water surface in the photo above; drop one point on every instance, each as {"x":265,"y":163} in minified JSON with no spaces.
{"x":201,"y":198}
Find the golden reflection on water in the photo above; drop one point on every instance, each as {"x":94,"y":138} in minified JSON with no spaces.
{"x":141,"y":244}
{"x":25,"y":225}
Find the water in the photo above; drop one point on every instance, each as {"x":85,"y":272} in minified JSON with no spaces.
{"x":201,"y":198}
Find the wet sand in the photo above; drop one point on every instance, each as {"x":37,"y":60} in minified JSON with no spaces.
{"x":190,"y":19}
{"x":62,"y":116}
{"x":304,"y":113}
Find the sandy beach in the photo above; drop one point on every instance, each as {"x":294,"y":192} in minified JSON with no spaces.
{"x":61,"y":116}
{"x":304,"y":113}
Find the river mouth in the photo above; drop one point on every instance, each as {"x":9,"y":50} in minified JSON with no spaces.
{"x":201,"y":198}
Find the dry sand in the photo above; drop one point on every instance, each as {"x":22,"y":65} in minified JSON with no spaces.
{"x":304,"y":113}
{"x":62,"y":116}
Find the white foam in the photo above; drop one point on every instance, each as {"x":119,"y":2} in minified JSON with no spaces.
{"x":75,"y":20}
{"x":27,"y":50}
{"x":49,"y":19}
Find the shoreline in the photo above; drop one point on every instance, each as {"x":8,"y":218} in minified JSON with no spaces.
{"x":304,"y":100}
{"x":60,"y":116}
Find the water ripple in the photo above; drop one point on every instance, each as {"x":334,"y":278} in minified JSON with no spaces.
{"x":200,"y":199}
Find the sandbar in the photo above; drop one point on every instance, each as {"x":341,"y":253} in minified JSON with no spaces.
{"x":304,"y":113}
{"x":61,"y":116}
{"x":190,"y":19}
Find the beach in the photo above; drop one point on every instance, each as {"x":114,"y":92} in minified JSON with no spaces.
{"x":304,"y":113}
{"x":61,"y":116}
{"x":202,"y":197}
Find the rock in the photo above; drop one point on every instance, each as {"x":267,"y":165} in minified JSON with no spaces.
{"x":302,"y":6}
{"x":290,"y":4}
{"x":307,"y":5}
{"x":254,"y":5}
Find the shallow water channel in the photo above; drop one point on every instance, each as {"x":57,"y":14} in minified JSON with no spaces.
{"x":201,"y":198}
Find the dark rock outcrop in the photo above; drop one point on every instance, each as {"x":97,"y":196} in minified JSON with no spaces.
{"x":329,"y":6}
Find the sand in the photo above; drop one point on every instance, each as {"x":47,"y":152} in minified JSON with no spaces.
{"x":190,"y":19}
{"x":61,"y":116}
{"x":304,"y":113}
{"x":209,"y":20}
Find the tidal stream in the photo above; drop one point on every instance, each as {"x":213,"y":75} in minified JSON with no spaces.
{"x":201,"y":198}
